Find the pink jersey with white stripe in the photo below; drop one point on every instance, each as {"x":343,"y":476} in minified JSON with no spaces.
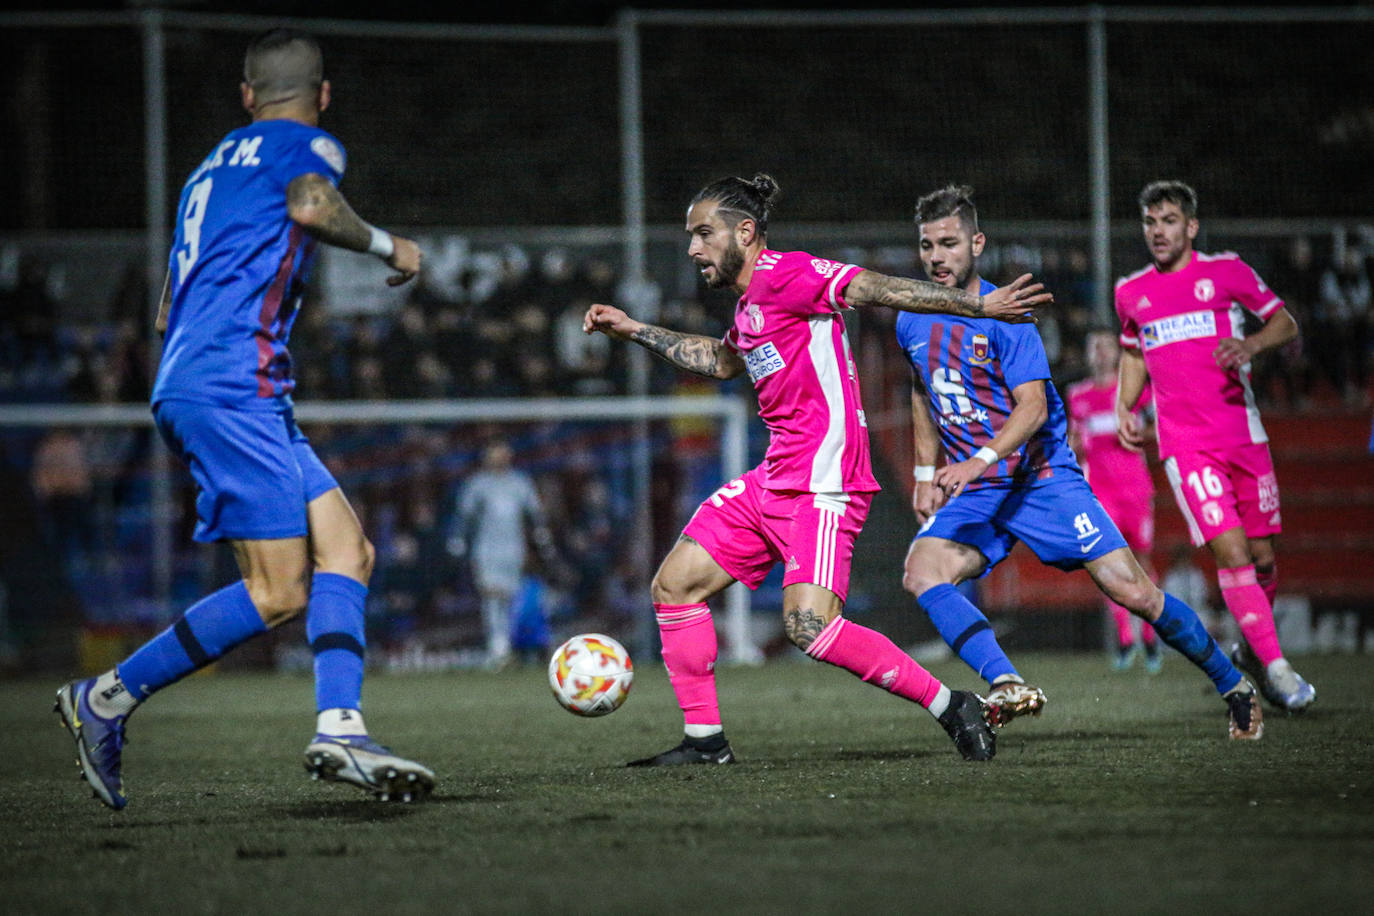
{"x":790,"y":332}
{"x":1109,"y":466}
{"x":1176,"y":320}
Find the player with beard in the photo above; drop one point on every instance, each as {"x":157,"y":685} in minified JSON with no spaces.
{"x":984,"y":397}
{"x":1183,"y":330}
{"x":806,"y":503}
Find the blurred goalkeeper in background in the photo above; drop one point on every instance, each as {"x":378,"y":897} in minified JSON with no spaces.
{"x":982,"y":395}
{"x":496,"y":513}
{"x":807,"y":502}
{"x":248,"y":224}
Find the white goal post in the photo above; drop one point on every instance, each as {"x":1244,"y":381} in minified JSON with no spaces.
{"x":733,"y":414}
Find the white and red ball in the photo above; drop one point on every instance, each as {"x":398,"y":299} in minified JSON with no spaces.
{"x":591,"y":674}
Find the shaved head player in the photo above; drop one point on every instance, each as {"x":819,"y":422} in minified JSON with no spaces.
{"x":250,"y":219}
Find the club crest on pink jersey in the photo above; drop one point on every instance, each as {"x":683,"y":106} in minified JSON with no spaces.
{"x":1204,"y":290}
{"x":980,"y":349}
{"x":825,"y":268}
{"x":755,"y":318}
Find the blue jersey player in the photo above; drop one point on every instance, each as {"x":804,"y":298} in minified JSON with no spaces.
{"x":249,"y":220}
{"x":982,"y":393}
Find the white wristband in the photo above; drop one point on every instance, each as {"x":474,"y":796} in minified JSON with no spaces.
{"x":381,"y":244}
{"x":924,"y":473}
{"x":988,"y":455}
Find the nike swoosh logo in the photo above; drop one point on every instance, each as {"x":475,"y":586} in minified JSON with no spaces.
{"x":1090,"y":545}
{"x":918,"y":346}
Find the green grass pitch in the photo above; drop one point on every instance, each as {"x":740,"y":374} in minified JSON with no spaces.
{"x":1124,"y":797}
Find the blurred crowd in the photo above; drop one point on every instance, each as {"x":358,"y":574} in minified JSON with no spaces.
{"x":519,"y":333}
{"x":515,"y":334}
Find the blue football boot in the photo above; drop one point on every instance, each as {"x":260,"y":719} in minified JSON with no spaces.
{"x":99,"y":742}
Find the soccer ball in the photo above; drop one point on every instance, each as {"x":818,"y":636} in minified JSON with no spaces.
{"x":591,"y":675}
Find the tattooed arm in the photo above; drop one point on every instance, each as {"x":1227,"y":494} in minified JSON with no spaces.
{"x":1014,"y":302}
{"x":693,"y":352}
{"x":316,"y":205}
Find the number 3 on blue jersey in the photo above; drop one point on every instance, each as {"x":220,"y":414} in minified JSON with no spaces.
{"x":190,"y":227}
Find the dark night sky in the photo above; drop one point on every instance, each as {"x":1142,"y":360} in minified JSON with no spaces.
{"x":563,"y":12}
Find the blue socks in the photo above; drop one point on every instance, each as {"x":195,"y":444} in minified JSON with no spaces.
{"x":220,"y":621}
{"x":210,"y":628}
{"x":1180,"y":628}
{"x":966,"y":630}
{"x":334,"y":628}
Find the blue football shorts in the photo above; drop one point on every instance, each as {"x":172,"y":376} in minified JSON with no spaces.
{"x":255,"y":471}
{"x":1059,"y":519}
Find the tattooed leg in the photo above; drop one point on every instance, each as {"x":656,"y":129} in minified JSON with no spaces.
{"x":802,"y":626}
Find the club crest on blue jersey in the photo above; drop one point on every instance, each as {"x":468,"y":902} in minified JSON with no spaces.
{"x":330,"y":152}
{"x":981,"y":352}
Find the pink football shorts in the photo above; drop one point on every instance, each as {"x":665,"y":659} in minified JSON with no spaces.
{"x":1134,"y":516}
{"x":1221,"y":490}
{"x":746,"y":528}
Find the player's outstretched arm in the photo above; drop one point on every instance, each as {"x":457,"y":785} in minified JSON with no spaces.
{"x":693,"y":352}
{"x":1016,"y":302}
{"x":320,"y":209}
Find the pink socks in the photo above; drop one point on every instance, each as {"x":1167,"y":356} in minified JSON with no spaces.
{"x":875,"y":659}
{"x":1247,"y":603}
{"x":1125,"y":627}
{"x":689,"y":652}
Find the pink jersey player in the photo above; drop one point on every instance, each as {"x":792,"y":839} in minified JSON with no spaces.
{"x":1206,"y":413}
{"x":1121,"y":479}
{"x":1183,"y":326}
{"x":789,"y":330}
{"x":1175,"y":320}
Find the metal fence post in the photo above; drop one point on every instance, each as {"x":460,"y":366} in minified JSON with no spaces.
{"x":1098,"y":158}
{"x":155,"y":235}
